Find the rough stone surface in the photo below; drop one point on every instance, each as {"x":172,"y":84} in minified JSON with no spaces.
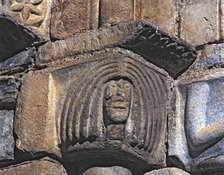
{"x":211,"y":56}
{"x":70,"y":17}
{"x":34,"y":15}
{"x":17,"y":62}
{"x":8,"y":92}
{"x":44,"y":166}
{"x":116,"y":170}
{"x":13,"y":39}
{"x":113,"y":12}
{"x":86,"y":42}
{"x":7,"y":142}
{"x":200,"y":22}
{"x":161,"y":13}
{"x":167,"y":171}
{"x":173,"y":55}
{"x":35,"y":123}
{"x":196,"y":120}
{"x":222,"y":18}
{"x":167,"y":52}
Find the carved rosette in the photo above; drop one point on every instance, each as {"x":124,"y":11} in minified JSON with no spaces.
{"x":31,"y":12}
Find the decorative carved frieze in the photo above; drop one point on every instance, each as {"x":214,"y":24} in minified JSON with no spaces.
{"x":114,"y":108}
{"x":32,"y":14}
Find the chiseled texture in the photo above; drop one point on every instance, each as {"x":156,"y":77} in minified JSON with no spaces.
{"x":7,"y":142}
{"x":167,"y":171}
{"x":115,"y":170}
{"x":43,"y":166}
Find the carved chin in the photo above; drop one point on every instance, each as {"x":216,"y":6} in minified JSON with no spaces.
{"x":117,"y":115}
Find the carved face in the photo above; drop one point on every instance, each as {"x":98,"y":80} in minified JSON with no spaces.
{"x":117,"y":100}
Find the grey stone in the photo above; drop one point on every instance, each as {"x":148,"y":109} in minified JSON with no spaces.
{"x":211,"y":56}
{"x":18,"y":62}
{"x":196,"y":121}
{"x":7,"y":142}
{"x":8,"y":92}
{"x":167,"y":171}
{"x":167,"y":52}
{"x":13,"y":38}
{"x":115,"y":170}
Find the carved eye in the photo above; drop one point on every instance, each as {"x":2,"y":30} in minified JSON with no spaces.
{"x":127,"y":86}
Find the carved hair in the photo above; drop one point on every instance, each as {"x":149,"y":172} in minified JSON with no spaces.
{"x":82,"y":113}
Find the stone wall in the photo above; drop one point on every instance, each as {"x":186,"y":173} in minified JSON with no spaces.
{"x":122,"y":87}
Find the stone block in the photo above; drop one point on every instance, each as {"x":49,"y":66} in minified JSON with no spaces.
{"x":33,"y":15}
{"x":222,"y":18}
{"x":212,"y":56}
{"x":8,"y":92}
{"x":195,"y":123}
{"x":84,"y":42}
{"x":200,"y":22}
{"x":13,"y":38}
{"x":45,"y":166}
{"x":113,"y":12}
{"x":74,"y":110}
{"x":160,"y":13}
{"x":35,"y":123}
{"x":17,"y":62}
{"x":167,"y":171}
{"x":7,"y":142}
{"x":115,"y":170}
{"x":75,"y":16}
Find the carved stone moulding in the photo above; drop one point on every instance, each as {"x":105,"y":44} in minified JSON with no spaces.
{"x":110,"y":111}
{"x":196,"y":121}
{"x":157,"y":47}
{"x":34,"y":15}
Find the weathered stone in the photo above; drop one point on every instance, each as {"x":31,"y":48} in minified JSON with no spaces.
{"x":13,"y":39}
{"x":161,"y":13}
{"x":35,"y":123}
{"x":200,"y":22}
{"x":211,"y":56}
{"x":113,"y":12}
{"x":196,"y":120}
{"x":8,"y":92}
{"x":75,"y":110}
{"x":17,"y":62}
{"x":45,"y":166}
{"x":115,"y":170}
{"x":74,"y":16}
{"x":173,"y":55}
{"x":7,"y":142}
{"x":86,"y":42}
{"x":34,"y":15}
{"x":222,"y":18}
{"x":169,"y":53}
{"x":167,"y":171}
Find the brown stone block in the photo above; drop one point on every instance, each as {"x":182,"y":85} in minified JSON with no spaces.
{"x":33,"y":15}
{"x":161,"y":13}
{"x":200,"y":22}
{"x":116,"y":11}
{"x":222,"y":18}
{"x":70,"y":17}
{"x":35,"y":126}
{"x":44,"y":166}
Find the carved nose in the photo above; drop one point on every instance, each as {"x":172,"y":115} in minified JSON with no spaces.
{"x":120,"y":92}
